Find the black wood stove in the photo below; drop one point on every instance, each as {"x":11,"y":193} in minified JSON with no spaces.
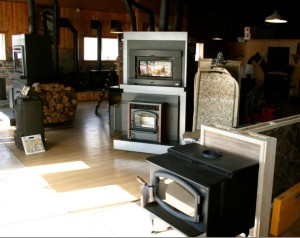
{"x":199,"y":190}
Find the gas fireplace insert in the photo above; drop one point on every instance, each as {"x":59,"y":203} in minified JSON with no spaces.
{"x":155,"y":67}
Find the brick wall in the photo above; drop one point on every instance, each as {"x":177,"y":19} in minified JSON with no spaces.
{"x":6,"y":68}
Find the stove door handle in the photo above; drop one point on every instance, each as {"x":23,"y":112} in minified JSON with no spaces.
{"x":140,"y":180}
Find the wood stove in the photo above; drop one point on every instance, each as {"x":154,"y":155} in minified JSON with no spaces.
{"x":197,"y":189}
{"x":29,"y":119}
{"x":146,"y":121}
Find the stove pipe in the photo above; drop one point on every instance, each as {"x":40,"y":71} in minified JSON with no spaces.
{"x":95,"y":24}
{"x":178,"y":15}
{"x":164,"y":12}
{"x":32,"y":21}
{"x":128,"y":4}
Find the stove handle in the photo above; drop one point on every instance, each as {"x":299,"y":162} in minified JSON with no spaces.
{"x":144,"y":191}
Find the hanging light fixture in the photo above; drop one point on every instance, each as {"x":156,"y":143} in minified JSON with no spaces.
{"x":216,"y":37}
{"x":275,"y":18}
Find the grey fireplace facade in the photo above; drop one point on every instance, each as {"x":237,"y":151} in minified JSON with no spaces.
{"x":154,"y":89}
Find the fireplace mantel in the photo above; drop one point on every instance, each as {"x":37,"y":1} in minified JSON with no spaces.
{"x":153,"y":89}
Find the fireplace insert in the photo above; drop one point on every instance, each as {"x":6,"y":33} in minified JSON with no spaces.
{"x":197,"y":189}
{"x":155,"y":67}
{"x":146,"y":121}
{"x":19,"y":60}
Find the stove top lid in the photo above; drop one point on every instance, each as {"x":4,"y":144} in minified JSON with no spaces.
{"x":221,"y":161}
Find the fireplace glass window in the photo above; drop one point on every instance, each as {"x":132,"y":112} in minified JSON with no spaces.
{"x":168,"y":192}
{"x":155,"y":68}
{"x":143,"y":119}
{"x":19,"y":60}
{"x":177,"y":196}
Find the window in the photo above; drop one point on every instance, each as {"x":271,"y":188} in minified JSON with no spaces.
{"x":199,"y":51}
{"x":109,"y":48}
{"x":2,"y":47}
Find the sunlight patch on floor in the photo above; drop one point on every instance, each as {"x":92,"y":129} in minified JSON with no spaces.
{"x":59,"y":167}
{"x":95,"y":197}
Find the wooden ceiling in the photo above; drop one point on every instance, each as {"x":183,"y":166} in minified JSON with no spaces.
{"x":100,"y":5}
{"x":254,"y":8}
{"x":230,"y":16}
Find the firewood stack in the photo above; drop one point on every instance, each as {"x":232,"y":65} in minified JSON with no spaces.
{"x":59,"y":102}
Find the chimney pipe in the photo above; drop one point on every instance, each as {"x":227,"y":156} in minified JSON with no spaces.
{"x":128,"y":4}
{"x":163,"y":20}
{"x":95,"y":24}
{"x":32,"y":21}
{"x":178,"y":15}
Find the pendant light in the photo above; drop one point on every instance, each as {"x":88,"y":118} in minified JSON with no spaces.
{"x":216,"y":37}
{"x":275,"y":18}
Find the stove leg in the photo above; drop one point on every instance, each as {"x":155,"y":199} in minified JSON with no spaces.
{"x":152,"y":217}
{"x":154,"y":231}
{"x":246,"y":233}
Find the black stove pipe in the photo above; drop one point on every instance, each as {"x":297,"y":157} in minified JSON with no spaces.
{"x":178,"y":15}
{"x":128,"y":4}
{"x":99,"y":39}
{"x":32,"y":22}
{"x":97,"y":25}
{"x":163,"y":19}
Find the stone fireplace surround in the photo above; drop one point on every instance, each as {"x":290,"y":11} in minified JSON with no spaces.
{"x":174,"y":97}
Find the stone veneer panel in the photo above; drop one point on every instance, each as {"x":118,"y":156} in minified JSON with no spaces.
{"x":6,"y":68}
{"x":287,"y":163}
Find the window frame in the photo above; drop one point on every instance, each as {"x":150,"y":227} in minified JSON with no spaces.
{"x":2,"y":46}
{"x":104,"y":47}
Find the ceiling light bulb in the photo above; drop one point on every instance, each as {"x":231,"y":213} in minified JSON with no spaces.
{"x":217,"y":38}
{"x":275,"y":18}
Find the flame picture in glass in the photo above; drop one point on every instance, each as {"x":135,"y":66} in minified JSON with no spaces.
{"x":155,"y":68}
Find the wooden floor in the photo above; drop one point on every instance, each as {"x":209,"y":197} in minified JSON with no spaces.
{"x":79,"y":171}
{"x":81,"y":158}
{"x":90,"y":143}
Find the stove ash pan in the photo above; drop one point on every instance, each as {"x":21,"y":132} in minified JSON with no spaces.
{"x":199,"y":190}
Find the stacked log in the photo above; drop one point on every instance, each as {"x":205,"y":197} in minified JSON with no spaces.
{"x":59,"y":102}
